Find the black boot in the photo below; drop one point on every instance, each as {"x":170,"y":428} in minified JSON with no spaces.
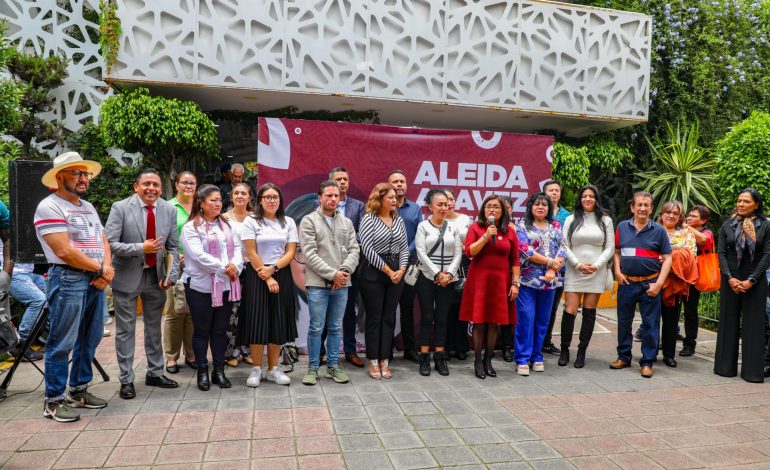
{"x":218,"y":377}
{"x":567,"y":328}
{"x":488,"y":364}
{"x":425,"y":364}
{"x":203,"y":378}
{"x":586,"y":331}
{"x":507,"y":354}
{"x":439,"y":359}
{"x":478,"y":367}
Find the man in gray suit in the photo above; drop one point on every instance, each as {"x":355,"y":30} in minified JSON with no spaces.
{"x":142,"y":231}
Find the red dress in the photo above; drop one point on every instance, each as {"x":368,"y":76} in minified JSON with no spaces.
{"x":485,"y":297}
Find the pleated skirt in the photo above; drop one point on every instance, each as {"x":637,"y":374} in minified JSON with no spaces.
{"x":266,"y":318}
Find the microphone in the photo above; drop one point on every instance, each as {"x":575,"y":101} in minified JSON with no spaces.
{"x":492,"y":222}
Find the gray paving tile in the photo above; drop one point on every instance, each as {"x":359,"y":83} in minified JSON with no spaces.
{"x":376,"y":398}
{"x":198,"y":405}
{"x":510,"y":466}
{"x":236,"y":404}
{"x":492,"y":453}
{"x":465,"y":420}
{"x":412,"y":458}
{"x":354,"y":426}
{"x":442,"y":395}
{"x":408,"y":396}
{"x":391,"y":424}
{"x":473,"y":436}
{"x":440,"y":438}
{"x":535,"y":450}
{"x":360,"y":442}
{"x":449,"y":407}
{"x":347,"y":412}
{"x":401,"y":440}
{"x":499,"y":418}
{"x":269,"y":403}
{"x":419,"y":408}
{"x":338,"y":399}
{"x":516,"y":433}
{"x":371,"y":460}
{"x":423,"y":422}
{"x":383,"y":410}
{"x":162,"y":406}
{"x":304,"y":401}
{"x":450,"y":456}
{"x":554,"y":464}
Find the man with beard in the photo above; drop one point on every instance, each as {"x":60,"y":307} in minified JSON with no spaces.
{"x":142,"y":230}
{"x":76,"y":246}
{"x":642,"y":262}
{"x":412,"y":215}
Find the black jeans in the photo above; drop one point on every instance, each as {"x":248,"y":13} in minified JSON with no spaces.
{"x":670,"y":320}
{"x":691,"y":317}
{"x":209,"y":325}
{"x":434,"y":310}
{"x":380,"y":300}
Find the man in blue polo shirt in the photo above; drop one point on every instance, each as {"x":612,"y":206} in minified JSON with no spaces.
{"x":642,"y":262}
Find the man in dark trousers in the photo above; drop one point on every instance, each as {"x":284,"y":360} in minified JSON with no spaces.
{"x":412,"y":215}
{"x":642,"y":262}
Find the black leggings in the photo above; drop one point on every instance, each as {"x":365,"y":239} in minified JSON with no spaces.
{"x":434,"y":310}
{"x":380,"y":300}
{"x":691,"y":317}
{"x":209,"y":325}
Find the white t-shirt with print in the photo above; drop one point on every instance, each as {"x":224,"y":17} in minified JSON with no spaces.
{"x":81,"y":222}
{"x":271,"y":238}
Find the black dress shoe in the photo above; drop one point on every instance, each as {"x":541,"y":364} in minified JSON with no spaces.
{"x":461,"y":355}
{"x":550,"y":348}
{"x":507,"y":354}
{"x":127,"y":391}
{"x":218,"y":377}
{"x":687,"y":351}
{"x":488,"y":369}
{"x":669,"y":361}
{"x":478,"y":368}
{"x":203,"y":379}
{"x":172,"y":369}
{"x":162,"y":382}
{"x":767,"y":371}
{"x":411,"y":355}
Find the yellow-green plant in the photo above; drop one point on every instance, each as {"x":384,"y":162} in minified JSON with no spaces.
{"x":109,"y":31}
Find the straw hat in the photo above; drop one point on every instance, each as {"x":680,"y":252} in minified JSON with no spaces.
{"x":66,"y":160}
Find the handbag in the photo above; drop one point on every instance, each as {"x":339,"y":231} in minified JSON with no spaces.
{"x":413,"y":271}
{"x":461,"y":275}
{"x":289,"y":355}
{"x":708,"y":269}
{"x":180,"y":301}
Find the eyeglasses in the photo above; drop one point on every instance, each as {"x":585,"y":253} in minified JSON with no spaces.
{"x":492,"y":207}
{"x":77,"y":174}
{"x":270,"y":198}
{"x":187,"y":183}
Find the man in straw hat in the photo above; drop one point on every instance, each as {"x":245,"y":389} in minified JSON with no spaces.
{"x":75,"y":244}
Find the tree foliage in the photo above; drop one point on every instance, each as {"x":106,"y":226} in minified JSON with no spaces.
{"x":169,"y":133}
{"x":10,"y":93}
{"x":743,"y":158}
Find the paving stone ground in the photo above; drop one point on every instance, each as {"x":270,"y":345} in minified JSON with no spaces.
{"x":562,"y":418}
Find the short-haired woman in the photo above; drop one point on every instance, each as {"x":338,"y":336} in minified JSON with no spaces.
{"x":590,"y":244}
{"x":542,"y":251}
{"x":493,"y":280}
{"x":386,"y":255}
{"x":439,"y":251}
{"x":269,"y":315}
{"x":744,"y":254}
{"x":213,"y":262}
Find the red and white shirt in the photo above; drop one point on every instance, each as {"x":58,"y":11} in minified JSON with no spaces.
{"x":81,"y":222}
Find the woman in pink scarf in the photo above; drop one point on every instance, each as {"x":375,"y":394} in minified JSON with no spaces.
{"x":213,"y":261}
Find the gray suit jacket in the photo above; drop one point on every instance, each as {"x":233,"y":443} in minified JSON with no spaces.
{"x":126,"y":232}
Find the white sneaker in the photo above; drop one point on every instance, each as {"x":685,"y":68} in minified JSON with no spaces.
{"x":107,"y":333}
{"x":538,"y":367}
{"x":109,"y":321}
{"x":255,"y":377}
{"x":522,"y":369}
{"x":277,"y":375}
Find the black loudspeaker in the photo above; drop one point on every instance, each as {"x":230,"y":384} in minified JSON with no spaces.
{"x":25,"y":192}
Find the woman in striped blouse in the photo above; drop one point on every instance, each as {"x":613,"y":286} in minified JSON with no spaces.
{"x":439,"y":250}
{"x":386,"y":255}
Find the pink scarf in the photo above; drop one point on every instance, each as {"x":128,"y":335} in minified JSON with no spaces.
{"x":213,"y":249}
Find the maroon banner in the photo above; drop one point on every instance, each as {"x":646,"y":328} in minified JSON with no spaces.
{"x":297,"y":155}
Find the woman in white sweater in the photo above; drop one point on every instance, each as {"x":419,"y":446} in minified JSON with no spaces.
{"x":590,"y":244}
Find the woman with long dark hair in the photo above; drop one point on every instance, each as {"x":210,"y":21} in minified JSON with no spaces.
{"x":457,"y":331}
{"x":590,"y":244}
{"x":493,"y":280}
{"x":213,"y":262}
{"x":541,"y":247}
{"x":269,"y":315}
{"x":744,"y":254}
{"x":386,"y":256}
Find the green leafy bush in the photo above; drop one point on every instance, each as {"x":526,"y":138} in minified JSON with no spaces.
{"x":743,"y":158}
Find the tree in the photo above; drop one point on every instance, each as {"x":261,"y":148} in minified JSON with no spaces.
{"x":10,"y":93}
{"x":743,"y":159}
{"x":169,"y":133}
{"x":37,"y":77}
{"x":683,"y":170}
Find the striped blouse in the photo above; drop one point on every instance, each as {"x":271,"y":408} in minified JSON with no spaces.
{"x":377,"y":238}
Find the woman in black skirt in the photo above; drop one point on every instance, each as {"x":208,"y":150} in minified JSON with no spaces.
{"x":269,"y":311}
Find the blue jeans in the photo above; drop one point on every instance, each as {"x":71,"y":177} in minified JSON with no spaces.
{"x":327,"y":307}
{"x":75,"y":313}
{"x":650,"y":309}
{"x":533,"y":314}
{"x":29,"y":290}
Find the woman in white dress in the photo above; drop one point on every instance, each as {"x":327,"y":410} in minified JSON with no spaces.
{"x":590,"y":241}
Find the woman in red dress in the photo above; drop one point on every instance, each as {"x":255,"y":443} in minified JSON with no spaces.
{"x":493,"y":280}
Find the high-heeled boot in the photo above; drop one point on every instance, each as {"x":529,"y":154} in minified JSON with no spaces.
{"x":478,"y":366}
{"x":218,"y":376}
{"x":586,"y":331}
{"x":567,"y":328}
{"x":203,"y":378}
{"x":488,"y":364}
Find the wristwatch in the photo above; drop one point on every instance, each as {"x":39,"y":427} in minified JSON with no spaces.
{"x":100,"y":271}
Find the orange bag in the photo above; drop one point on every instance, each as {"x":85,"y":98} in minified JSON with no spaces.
{"x":708,"y":269}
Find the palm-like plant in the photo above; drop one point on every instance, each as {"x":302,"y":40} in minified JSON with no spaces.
{"x":683,"y":170}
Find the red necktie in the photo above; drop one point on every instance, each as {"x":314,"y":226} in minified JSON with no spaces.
{"x":150,"y":258}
